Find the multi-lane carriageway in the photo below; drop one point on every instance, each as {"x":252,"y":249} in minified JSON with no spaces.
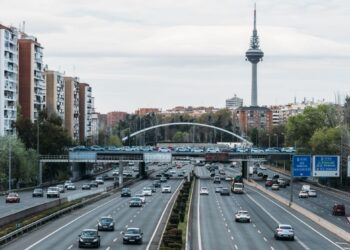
{"x":212,"y":222}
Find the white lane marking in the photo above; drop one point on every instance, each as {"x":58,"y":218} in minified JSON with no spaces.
{"x":130,"y":221}
{"x":301,"y":243}
{"x":236,"y":246}
{"x":161,"y":217}
{"x":232,"y":238}
{"x":121,"y":232}
{"x":198,"y":221}
{"x":126,"y":226}
{"x":259,"y":231}
{"x":108,"y":248}
{"x":300,"y":220}
{"x":70,"y":246}
{"x":69,"y":223}
{"x":265,"y":239}
{"x":115,"y":239}
{"x":272,"y":248}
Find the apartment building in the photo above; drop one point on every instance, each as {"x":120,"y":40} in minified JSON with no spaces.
{"x":55,"y":93}
{"x":8,"y":79}
{"x":254,"y":117}
{"x":71,"y":106}
{"x":85,"y":112}
{"x":31,"y":82}
{"x":114,"y":117}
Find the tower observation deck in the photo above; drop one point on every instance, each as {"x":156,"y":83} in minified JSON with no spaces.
{"x":254,"y":55}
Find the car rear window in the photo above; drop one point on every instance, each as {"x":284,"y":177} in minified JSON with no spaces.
{"x":285,"y":227}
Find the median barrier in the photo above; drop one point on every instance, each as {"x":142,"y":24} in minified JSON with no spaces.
{"x":312,"y":216}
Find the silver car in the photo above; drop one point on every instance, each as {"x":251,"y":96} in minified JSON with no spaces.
{"x":284,"y":231}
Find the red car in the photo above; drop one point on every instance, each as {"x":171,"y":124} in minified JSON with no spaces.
{"x":12,"y":198}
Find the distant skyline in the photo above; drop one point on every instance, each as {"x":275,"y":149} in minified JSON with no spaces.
{"x":167,"y":53}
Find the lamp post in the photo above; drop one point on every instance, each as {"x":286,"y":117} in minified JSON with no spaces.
{"x":10,"y":164}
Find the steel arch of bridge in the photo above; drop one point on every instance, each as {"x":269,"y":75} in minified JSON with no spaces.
{"x":245,"y":141}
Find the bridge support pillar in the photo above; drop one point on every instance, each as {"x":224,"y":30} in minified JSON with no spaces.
{"x":244,"y":169}
{"x":40,"y":173}
{"x":142,"y":170}
{"x":121,"y":167}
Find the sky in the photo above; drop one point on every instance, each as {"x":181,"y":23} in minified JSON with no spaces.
{"x":166,"y":53}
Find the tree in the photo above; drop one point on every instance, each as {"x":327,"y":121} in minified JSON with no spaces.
{"x":326,"y":141}
{"x":114,"y":140}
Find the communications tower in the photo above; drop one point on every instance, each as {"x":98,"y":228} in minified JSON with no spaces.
{"x":254,"y":55}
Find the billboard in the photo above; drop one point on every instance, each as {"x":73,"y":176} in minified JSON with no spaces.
{"x":301,"y":166}
{"x":326,"y":165}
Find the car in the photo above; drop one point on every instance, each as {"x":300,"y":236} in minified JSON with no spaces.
{"x":89,"y":238}
{"x":99,"y":180}
{"x":204,"y":191}
{"x":156,"y":184}
{"x":163,"y":179}
{"x":66,"y":183}
{"x":153,"y":188}
{"x":86,"y":187}
{"x":262,"y":167}
{"x":135,"y":202}
{"x":218,"y":189}
{"x":105,"y":223}
{"x":284,"y":231}
{"x":61,"y":188}
{"x":312,"y":193}
{"x":260,"y":174}
{"x":93,"y":184}
{"x":275,"y":177}
{"x":147,"y":191}
{"x":12,"y":198}
{"x":303,"y":194}
{"x":217,"y":179}
{"x":53,"y":192}
{"x":288,"y":150}
{"x":242,"y":216}
{"x":126,"y":192}
{"x":164,"y":150}
{"x":281,"y":183}
{"x":38,"y":192}
{"x":71,"y":187}
{"x":225,"y":191}
{"x":338,"y":209}
{"x":305,"y":188}
{"x":268,"y":182}
{"x":115,"y":173}
{"x":228,"y":178}
{"x":141,"y":196}
{"x":166,"y":189}
{"x":275,"y":187}
{"x":132,"y":235}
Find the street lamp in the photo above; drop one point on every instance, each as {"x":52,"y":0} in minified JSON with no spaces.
{"x":10,"y":164}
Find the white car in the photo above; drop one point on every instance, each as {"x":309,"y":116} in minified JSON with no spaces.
{"x":303,"y":194}
{"x":67,"y":183}
{"x":141,"y":196}
{"x":99,"y":180}
{"x":242,"y":216}
{"x":164,"y":150}
{"x":204,"y":191}
{"x":166,"y":189}
{"x":147,"y":191}
{"x":275,"y":187}
{"x":312,"y":193}
{"x":71,"y":186}
{"x":262,"y":167}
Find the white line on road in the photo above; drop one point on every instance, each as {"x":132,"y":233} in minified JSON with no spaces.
{"x":115,"y":239}
{"x":108,"y":248}
{"x":198,"y":221}
{"x":70,"y":246}
{"x":236,"y":246}
{"x":232,"y":238}
{"x":265,"y":239}
{"x":272,"y":248}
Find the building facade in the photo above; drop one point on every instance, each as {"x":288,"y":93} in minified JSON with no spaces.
{"x":254,"y":117}
{"x":85,"y":112}
{"x":32,"y":86}
{"x":8,"y":79}
{"x":145,"y":111}
{"x":114,"y":117}
{"x":71,"y":106}
{"x":55,"y":93}
{"x":234,"y":102}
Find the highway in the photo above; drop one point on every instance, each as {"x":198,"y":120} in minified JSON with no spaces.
{"x":213,"y":225}
{"x":63,"y":233}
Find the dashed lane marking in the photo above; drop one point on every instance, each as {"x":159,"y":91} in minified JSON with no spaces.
{"x":115,"y":239}
{"x":236,"y":246}
{"x":70,"y":246}
{"x":265,"y":239}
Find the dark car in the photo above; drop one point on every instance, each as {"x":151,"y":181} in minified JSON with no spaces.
{"x":132,"y":235}
{"x":268,"y":183}
{"x":105,"y":224}
{"x":225,"y":191}
{"x":86,"y":187}
{"x":125,"y":192}
{"x":38,"y":192}
{"x":12,"y":198}
{"x":153,"y":188}
{"x":89,"y":238}
{"x":93,"y":184}
{"x":260,"y":174}
{"x":275,"y":176}
{"x":156,"y":184}
{"x":338,"y":209}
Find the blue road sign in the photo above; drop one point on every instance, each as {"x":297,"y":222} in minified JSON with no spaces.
{"x":326,"y":165}
{"x":301,"y":166}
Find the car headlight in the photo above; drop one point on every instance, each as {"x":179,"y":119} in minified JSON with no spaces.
{"x":95,"y":240}
{"x":125,"y":237}
{"x":99,"y":224}
{"x":111,"y":225}
{"x":81,"y":239}
{"x":137,"y":237}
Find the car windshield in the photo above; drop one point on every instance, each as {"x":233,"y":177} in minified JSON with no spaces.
{"x":106,"y":220}
{"x":12,"y":195}
{"x":135,"y":199}
{"x":243,"y":212}
{"x":38,"y":190}
{"x":132,"y":231}
{"x":224,"y":189}
{"x":89,"y":233}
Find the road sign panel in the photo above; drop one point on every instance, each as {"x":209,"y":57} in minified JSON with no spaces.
{"x":301,"y":166}
{"x":326,"y":165}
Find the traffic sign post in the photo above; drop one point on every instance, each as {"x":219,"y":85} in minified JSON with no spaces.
{"x":326,"y":165}
{"x":301,"y":166}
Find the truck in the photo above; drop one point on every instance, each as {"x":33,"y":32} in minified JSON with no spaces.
{"x":237,"y":185}
{"x":217,"y":157}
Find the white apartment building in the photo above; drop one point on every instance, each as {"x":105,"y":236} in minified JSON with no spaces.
{"x":8,"y":79}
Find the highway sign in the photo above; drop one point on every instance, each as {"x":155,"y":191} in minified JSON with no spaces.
{"x":301,"y":166}
{"x":349,"y":166}
{"x":326,"y":165}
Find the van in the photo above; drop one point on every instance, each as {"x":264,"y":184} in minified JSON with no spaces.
{"x":305,"y":188}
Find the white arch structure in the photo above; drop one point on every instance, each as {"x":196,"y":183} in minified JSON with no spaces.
{"x":245,"y":141}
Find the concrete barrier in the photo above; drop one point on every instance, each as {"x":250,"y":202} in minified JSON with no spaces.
{"x":312,"y":216}
{"x":30,"y":211}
